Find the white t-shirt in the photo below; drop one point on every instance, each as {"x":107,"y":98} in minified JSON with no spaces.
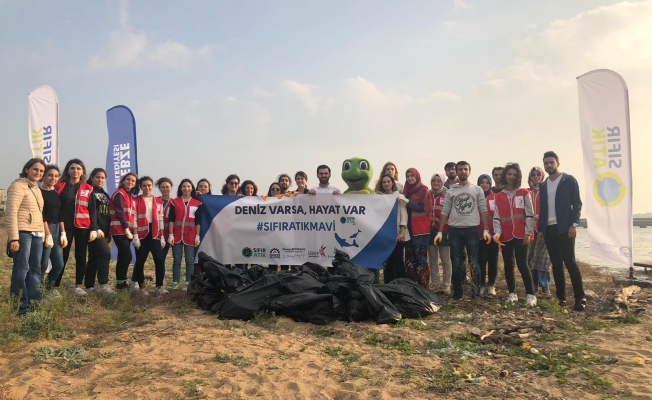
{"x":148,"y":208}
{"x":552,"y":192}
{"x":325,"y":190}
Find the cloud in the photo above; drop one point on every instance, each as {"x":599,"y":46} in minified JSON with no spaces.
{"x":462,"y":5}
{"x":312,"y":97}
{"x":128,"y":49}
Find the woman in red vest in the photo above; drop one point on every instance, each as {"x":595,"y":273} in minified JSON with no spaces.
{"x":184,"y":215}
{"x":75,"y":194}
{"x":123,"y":210}
{"x":164,"y":186}
{"x":147,"y":238}
{"x":442,"y":251}
{"x":513,"y":226}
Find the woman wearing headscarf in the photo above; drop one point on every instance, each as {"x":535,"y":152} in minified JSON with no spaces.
{"x":443,"y":250}
{"x":419,"y":201}
{"x":538,"y":258}
{"x":24,"y":221}
{"x":488,"y":253}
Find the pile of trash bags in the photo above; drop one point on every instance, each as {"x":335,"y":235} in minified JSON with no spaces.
{"x":309,"y":294}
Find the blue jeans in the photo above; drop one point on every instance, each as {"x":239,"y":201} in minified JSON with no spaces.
{"x":188,"y":252}
{"x":540,"y":279}
{"x":26,"y":273}
{"x":55,"y":254}
{"x":459,"y":239}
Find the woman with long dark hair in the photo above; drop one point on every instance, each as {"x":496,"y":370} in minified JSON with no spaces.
{"x":164,"y":186}
{"x":230,"y":188}
{"x":204,"y":186}
{"x":75,"y":196}
{"x":389,"y":169}
{"x":395,"y":264}
{"x":24,"y":221}
{"x":99,"y":253}
{"x":184,"y":216}
{"x":53,"y":225}
{"x":123,"y":212}
{"x":249,"y":188}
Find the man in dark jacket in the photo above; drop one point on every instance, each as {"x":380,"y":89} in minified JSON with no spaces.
{"x":559,"y":216}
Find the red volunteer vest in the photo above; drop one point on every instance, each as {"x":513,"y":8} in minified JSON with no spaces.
{"x":512,"y":214}
{"x":437,"y":207}
{"x":129,"y":205}
{"x":82,"y":215}
{"x":141,"y":217}
{"x":166,"y":218}
{"x":491,"y":207}
{"x":184,"y":220}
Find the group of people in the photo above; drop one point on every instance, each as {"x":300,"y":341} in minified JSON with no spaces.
{"x":451,"y":222}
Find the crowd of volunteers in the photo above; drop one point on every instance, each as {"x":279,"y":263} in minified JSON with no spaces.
{"x":449,"y":234}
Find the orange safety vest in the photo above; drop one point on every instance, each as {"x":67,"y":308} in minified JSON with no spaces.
{"x":512,"y":214}
{"x":491,"y":207}
{"x":437,"y":207}
{"x":116,"y":226}
{"x":184,"y":220}
{"x":82,"y":215}
{"x":142,"y":226}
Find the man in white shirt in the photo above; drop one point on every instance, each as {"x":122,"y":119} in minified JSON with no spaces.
{"x":324,"y":176}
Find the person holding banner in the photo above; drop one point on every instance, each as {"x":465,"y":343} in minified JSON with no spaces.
{"x":99,"y":253}
{"x":123,"y":210}
{"x":164,"y":186}
{"x":443,"y":250}
{"x":285,"y":181}
{"x":24,"y":221}
{"x":559,"y":216}
{"x":75,"y":196}
{"x":513,"y":225}
{"x":488,"y":252}
{"x":231,"y":185}
{"x":419,"y":201}
{"x":324,"y":187}
{"x":395,"y":264}
{"x":149,"y":237}
{"x":537,"y":258}
{"x":52,"y":225}
{"x":301,"y":179}
{"x":274,"y":189}
{"x":204,"y":186}
{"x":249,"y":188}
{"x":184,"y":215}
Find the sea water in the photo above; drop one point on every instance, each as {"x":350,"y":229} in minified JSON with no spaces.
{"x":642,"y":250}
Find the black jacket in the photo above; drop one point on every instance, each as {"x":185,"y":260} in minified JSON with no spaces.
{"x":568,"y":204}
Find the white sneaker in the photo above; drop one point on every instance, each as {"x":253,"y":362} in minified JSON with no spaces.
{"x":161,"y":290}
{"x":185,"y":287}
{"x":143,"y":292}
{"x":105,"y":289}
{"x":531,"y":300}
{"x":55,"y":294}
{"x":90,"y":289}
{"x":513,"y":298}
{"x":134,"y":286}
{"x":446,"y":289}
{"x":483,"y":290}
{"x":491,"y":290}
{"x":80,"y":292}
{"x":175,"y":285}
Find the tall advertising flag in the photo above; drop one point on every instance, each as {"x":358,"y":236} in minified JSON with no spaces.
{"x":43,"y":124}
{"x":604,"y":124}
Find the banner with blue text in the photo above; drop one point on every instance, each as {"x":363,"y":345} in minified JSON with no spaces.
{"x":121,"y":155}
{"x":298,"y":229}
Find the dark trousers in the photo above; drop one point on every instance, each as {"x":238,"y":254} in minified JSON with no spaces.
{"x":149,"y":245}
{"x":515,"y":247}
{"x":395,"y":264}
{"x":488,"y":256}
{"x":561,"y":249}
{"x":124,"y":256}
{"x":461,"y":239}
{"x":80,"y":237}
{"x":99,"y":256}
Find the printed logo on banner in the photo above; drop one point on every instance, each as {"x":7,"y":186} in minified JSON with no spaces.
{"x":294,"y":252}
{"x":625,"y":251}
{"x":260,"y":252}
{"x":347,"y":220}
{"x":322,"y":251}
{"x":247,"y":252}
{"x":608,"y":189}
{"x":274,"y":253}
{"x":313,"y":254}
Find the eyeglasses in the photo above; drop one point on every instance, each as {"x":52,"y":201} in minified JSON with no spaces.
{"x":234,"y":183}
{"x":274,"y":190}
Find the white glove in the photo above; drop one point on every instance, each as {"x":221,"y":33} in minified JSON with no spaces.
{"x":63,"y":240}
{"x":162,"y":242}
{"x":100,"y":234}
{"x":92,"y":236}
{"x":486,"y":236}
{"x":171,"y":239}
{"x":136,"y":242}
{"x":196,"y":240}
{"x":401,"y":197}
{"x":128,"y":234}
{"x":48,"y":242}
{"x":438,"y":238}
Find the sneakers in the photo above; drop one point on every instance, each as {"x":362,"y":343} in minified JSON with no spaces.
{"x":143,"y":292}
{"x":80,"y":292}
{"x":185,"y":287}
{"x":545,"y":290}
{"x":121,"y":285}
{"x":175,"y":285}
{"x":458,"y":296}
{"x":512,"y":298}
{"x":580,"y":305}
{"x":55,"y":294}
{"x":104,"y":289}
{"x":531,"y":300}
{"x":161,"y":290}
{"x":483,"y":291}
{"x":135,"y":286}
{"x":491,"y":290}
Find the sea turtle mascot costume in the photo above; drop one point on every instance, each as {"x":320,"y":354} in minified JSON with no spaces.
{"x":357,"y":174}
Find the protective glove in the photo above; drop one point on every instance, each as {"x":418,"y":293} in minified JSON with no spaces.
{"x":63,"y":240}
{"x":128,"y":234}
{"x":401,"y":197}
{"x":163,"y":242}
{"x":136,"y":242}
{"x":497,"y":240}
{"x":438,"y":238}
{"x":264,"y":197}
{"x":100,"y":234}
{"x":92,"y":236}
{"x":171,"y":239}
{"x":48,"y":242}
{"x":197,"y":241}
{"x":486,"y":236}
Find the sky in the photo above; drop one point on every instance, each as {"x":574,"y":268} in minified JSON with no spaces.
{"x":260,"y":88}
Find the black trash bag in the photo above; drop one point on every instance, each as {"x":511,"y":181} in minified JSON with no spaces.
{"x":323,"y":312}
{"x":410,"y":299}
{"x":207,"y":300}
{"x":358,"y":308}
{"x":316,"y":270}
{"x":226,"y":279}
{"x":341,"y":286}
{"x":342,"y":265}
{"x":199,"y":285}
{"x":384,"y":311}
{"x":245,"y":303}
{"x":296,"y":301}
{"x":256,"y":272}
{"x":305,"y":307}
{"x":302,"y":283}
